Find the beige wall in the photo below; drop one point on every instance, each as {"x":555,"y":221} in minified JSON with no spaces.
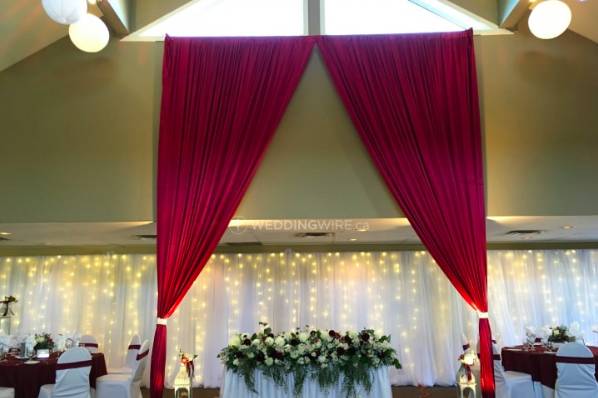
{"x":78,"y":134}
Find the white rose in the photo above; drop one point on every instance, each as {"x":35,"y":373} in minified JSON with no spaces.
{"x":303,"y":337}
{"x":269,"y":361}
{"x":280,"y":341}
{"x":321,"y":359}
{"x":255,"y":342}
{"x":378,"y":333}
{"x":269,"y":341}
{"x":250,"y":355}
{"x":236,"y":362}
{"x":235,"y":341}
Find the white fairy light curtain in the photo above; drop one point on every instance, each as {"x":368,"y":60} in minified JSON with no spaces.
{"x":402,"y":293}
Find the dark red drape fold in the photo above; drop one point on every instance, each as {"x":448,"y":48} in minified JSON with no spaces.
{"x":414,"y":101}
{"x":222,"y":100}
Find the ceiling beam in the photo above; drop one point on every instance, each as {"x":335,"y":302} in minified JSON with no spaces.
{"x":116,"y":15}
{"x":510,"y":12}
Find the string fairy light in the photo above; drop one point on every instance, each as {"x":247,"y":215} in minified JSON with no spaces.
{"x":402,"y":293}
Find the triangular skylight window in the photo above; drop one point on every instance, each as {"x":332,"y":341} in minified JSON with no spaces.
{"x":289,"y":17}
{"x":346,"y":17}
{"x":232,"y":18}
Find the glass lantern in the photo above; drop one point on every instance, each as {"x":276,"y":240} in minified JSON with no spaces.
{"x":183,"y":387}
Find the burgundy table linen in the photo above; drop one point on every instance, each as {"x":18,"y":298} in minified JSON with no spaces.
{"x":222,"y":101}
{"x":539,"y":363}
{"x":28,"y":379}
{"x":414,"y":101}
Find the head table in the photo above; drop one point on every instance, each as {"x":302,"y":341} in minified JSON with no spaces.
{"x":538,"y":362}
{"x":234,"y":387}
{"x":27,"y":379}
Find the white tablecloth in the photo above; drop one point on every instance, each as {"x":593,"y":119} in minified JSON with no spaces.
{"x":234,"y":387}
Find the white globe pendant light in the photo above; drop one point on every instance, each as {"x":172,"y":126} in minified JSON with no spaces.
{"x":65,"y":12}
{"x":549,"y":19}
{"x":89,"y":34}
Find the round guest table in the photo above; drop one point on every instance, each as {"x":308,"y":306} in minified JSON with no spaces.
{"x":537,"y":362}
{"x":27,"y":379}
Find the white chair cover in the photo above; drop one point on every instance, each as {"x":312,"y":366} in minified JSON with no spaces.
{"x":510,"y":384}
{"x":576,"y":372}
{"x":72,"y":376}
{"x":7,"y":392}
{"x":130,"y":359}
{"x":124,"y":385}
{"x":89,"y":342}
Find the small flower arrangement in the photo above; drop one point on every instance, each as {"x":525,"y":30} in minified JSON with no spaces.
{"x":560,"y":334}
{"x":187,"y":362}
{"x":43,"y":342}
{"x":321,"y":355}
{"x":465,"y":374}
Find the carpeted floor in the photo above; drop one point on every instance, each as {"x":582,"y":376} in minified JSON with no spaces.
{"x":398,"y":392}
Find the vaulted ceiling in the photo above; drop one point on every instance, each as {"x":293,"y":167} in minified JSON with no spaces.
{"x":585,"y":18}
{"x":25,"y":28}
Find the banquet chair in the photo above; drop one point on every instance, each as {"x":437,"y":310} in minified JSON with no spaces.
{"x":576,"y":372}
{"x":89,"y":342}
{"x":130,"y":359}
{"x":72,"y":376}
{"x":510,"y":384}
{"x":124,"y":385}
{"x":7,"y":392}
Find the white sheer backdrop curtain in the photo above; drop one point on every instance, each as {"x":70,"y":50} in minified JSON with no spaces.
{"x":402,"y":293}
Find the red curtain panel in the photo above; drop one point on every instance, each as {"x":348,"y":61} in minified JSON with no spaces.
{"x":414,"y":101}
{"x":222,"y":100}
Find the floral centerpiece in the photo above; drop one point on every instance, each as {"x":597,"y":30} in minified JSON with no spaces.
{"x":321,"y":355}
{"x":187,"y":361}
{"x":560,"y":334}
{"x":43,"y":342}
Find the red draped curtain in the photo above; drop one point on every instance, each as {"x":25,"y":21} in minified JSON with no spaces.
{"x":414,"y":101}
{"x":222,"y":100}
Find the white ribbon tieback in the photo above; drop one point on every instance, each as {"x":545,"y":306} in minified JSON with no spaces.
{"x":161,"y":321}
{"x":482,"y":315}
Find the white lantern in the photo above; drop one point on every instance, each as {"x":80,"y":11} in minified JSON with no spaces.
{"x":89,"y":34}
{"x":65,"y":12}
{"x":549,"y":19}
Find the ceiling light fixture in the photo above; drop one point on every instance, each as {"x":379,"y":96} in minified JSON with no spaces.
{"x":549,"y":19}
{"x":5,"y":233}
{"x":89,"y":34}
{"x":65,"y":12}
{"x":352,"y":239}
{"x":567,"y":227}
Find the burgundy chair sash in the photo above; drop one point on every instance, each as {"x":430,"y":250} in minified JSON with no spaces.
{"x":134,"y":346}
{"x":142,"y":355}
{"x":576,"y":360}
{"x":73,"y":365}
{"x":88,"y":345}
{"x":496,"y":357}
